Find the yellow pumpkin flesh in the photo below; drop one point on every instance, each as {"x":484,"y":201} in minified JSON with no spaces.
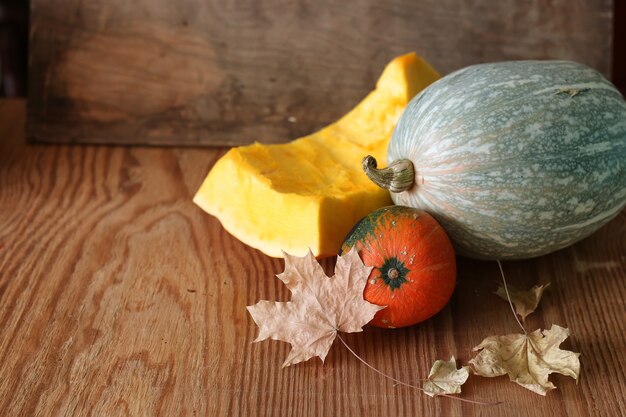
{"x":310,"y":192}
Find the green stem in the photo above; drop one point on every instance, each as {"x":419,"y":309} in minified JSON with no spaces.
{"x":397,"y":177}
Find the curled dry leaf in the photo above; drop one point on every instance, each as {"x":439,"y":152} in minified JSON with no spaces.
{"x":524,"y":301}
{"x":319,"y":307}
{"x":527,"y":359}
{"x":444,"y":378}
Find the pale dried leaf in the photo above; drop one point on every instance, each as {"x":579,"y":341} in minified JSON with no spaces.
{"x":527,"y":359}
{"x":524,"y":301}
{"x":319,"y":307}
{"x":444,"y":378}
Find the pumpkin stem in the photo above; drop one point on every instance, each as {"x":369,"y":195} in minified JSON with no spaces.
{"x":397,"y":177}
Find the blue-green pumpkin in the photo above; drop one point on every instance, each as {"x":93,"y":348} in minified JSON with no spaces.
{"x":514,"y":159}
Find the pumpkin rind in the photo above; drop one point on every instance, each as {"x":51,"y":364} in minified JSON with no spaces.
{"x":516,"y":159}
{"x":414,"y":264}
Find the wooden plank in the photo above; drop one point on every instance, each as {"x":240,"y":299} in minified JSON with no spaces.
{"x":619,"y":46}
{"x":229,"y":73}
{"x":119,"y":297}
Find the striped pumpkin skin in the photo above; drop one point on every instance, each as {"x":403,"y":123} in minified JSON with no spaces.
{"x":516,"y":159}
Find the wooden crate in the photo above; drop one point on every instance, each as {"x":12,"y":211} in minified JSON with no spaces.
{"x":209,"y":72}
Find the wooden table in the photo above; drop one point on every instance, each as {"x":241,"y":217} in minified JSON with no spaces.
{"x":120,"y":297}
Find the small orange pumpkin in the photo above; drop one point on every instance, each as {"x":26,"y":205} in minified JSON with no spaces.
{"x":414,"y":264}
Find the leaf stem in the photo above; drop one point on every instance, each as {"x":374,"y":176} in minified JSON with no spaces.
{"x":376,"y":370}
{"x":508,"y":297}
{"x":406,"y":384}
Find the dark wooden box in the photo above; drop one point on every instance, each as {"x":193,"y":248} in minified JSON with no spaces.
{"x":209,"y":72}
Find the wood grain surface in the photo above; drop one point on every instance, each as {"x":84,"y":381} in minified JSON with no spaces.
{"x":119,"y":297}
{"x":198,"y":72}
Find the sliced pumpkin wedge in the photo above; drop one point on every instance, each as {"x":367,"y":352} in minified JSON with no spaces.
{"x":310,"y":192}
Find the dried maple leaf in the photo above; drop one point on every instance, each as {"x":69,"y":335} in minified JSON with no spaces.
{"x":444,"y":378}
{"x":527,"y":359}
{"x":320,"y":306}
{"x":525,"y":301}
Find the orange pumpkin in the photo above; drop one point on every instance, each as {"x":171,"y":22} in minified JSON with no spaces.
{"x":414,"y":264}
